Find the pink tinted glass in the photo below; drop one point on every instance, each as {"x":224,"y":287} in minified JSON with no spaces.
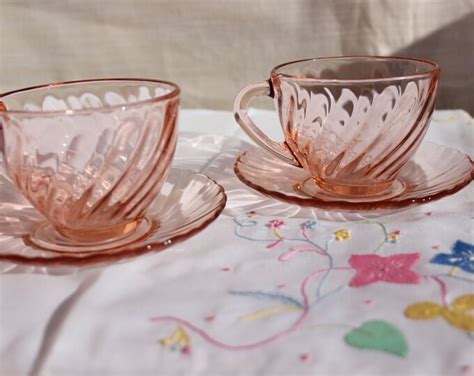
{"x":91,"y":156}
{"x":351,"y":122}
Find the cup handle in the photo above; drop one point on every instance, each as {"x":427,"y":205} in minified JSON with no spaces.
{"x":2,"y":108}
{"x":245,"y":96}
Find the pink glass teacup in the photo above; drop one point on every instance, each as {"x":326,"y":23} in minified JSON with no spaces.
{"x":351,"y":122}
{"x":91,"y":156}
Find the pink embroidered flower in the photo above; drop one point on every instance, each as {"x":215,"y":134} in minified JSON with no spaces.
{"x":392,"y":269}
{"x":275,"y":223}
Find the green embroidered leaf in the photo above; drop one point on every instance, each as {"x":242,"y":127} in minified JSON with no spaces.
{"x":378,"y":335}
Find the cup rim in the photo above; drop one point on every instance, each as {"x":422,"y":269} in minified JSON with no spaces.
{"x":172,"y":94}
{"x":430,"y":72}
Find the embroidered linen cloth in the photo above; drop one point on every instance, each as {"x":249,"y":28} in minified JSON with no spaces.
{"x":268,"y":288}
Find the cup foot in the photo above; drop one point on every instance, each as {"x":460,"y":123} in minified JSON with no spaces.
{"x":345,"y":190}
{"x":45,"y":236}
{"x":374,"y":193}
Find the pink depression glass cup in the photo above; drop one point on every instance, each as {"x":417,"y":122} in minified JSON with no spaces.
{"x":91,"y":156}
{"x":351,"y":122}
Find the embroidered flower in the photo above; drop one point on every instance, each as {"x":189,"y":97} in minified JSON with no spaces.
{"x":393,"y":269}
{"x":393,"y":237}
{"x":462,"y":256}
{"x":342,"y":234}
{"x":179,"y":340}
{"x":457,"y":314}
{"x":310,"y":225}
{"x":275,"y":223}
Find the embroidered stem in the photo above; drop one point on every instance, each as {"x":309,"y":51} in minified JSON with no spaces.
{"x":269,"y":312}
{"x":298,"y":322}
{"x":316,"y":249}
{"x":288,"y":300}
{"x":330,"y":262}
{"x":444,"y":290}
{"x":456,"y":277}
{"x":246,"y":220}
{"x":325,"y":252}
{"x":329,"y":294}
{"x":285,"y":256}
{"x":273,"y":245}
{"x":385,"y":233}
{"x":303,"y":232}
{"x":278,"y":235}
{"x":237,"y":233}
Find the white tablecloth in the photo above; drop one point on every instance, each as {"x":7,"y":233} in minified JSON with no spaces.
{"x":267,"y":288}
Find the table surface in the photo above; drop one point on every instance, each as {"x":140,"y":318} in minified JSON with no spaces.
{"x":268,"y":288}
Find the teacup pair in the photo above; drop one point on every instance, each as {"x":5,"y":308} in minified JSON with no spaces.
{"x":91,"y":156}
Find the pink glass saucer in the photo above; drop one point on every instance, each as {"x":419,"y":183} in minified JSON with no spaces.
{"x":187,"y":203}
{"x":435,"y":171}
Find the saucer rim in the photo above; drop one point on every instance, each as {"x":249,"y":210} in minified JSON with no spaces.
{"x":107,"y":256}
{"x":343,"y":205}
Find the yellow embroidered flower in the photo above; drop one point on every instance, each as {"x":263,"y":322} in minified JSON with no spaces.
{"x":251,"y":214}
{"x":460,"y":313}
{"x":179,"y":340}
{"x":342,"y":234}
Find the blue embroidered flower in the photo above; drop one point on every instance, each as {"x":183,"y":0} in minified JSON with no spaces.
{"x":310,"y":225}
{"x":462,"y":256}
